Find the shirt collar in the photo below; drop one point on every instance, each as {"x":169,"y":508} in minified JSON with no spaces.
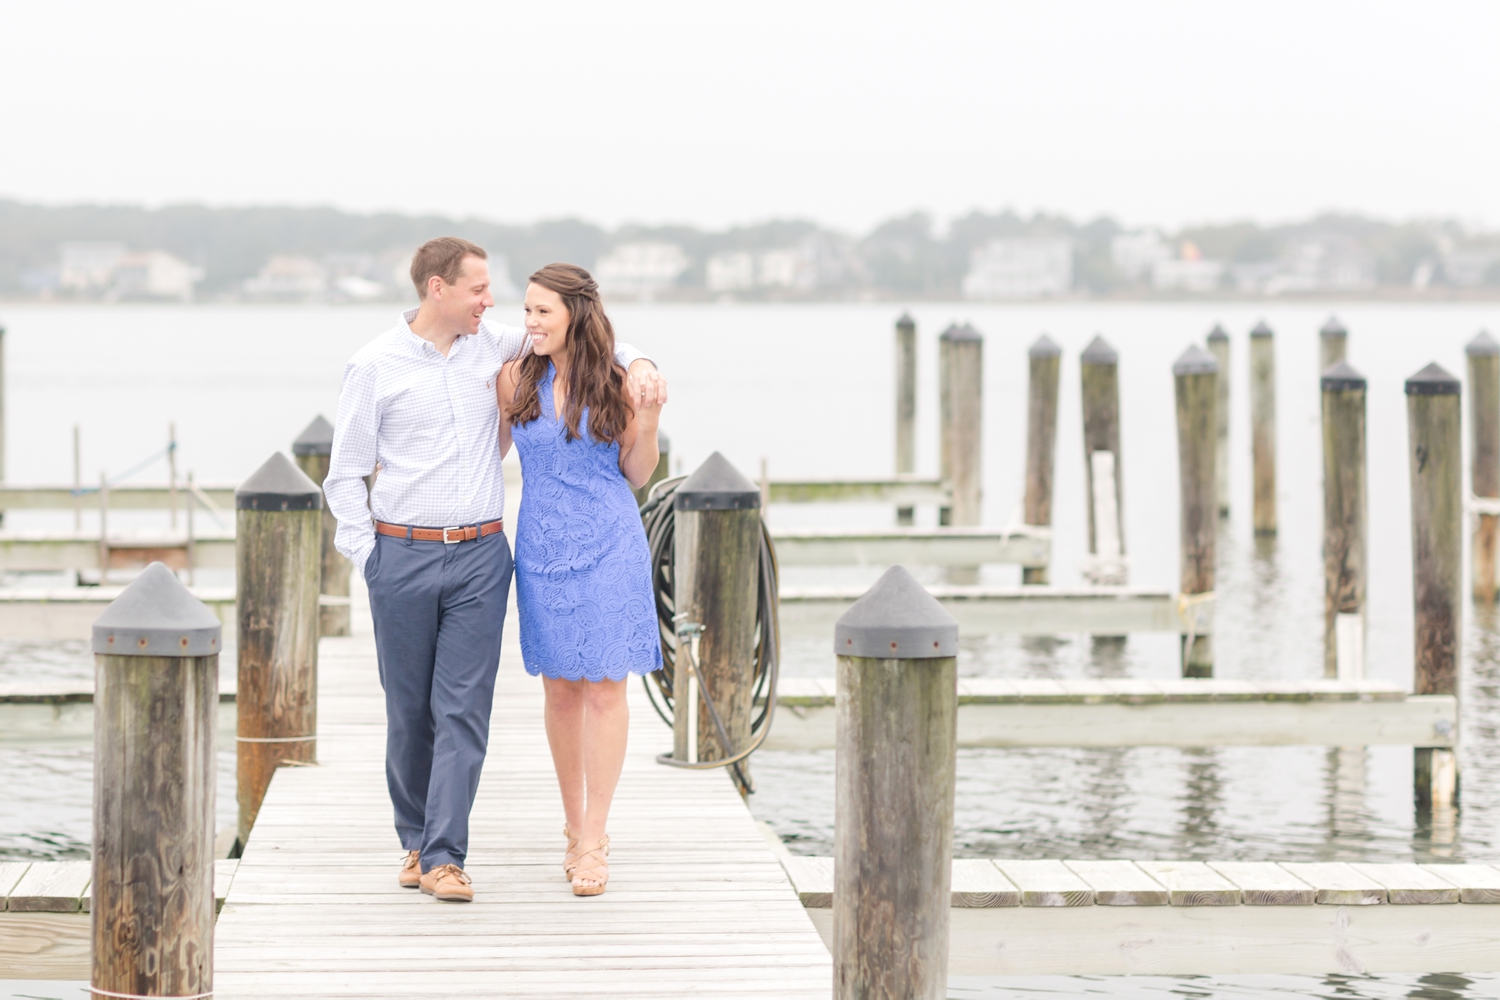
{"x":420,"y":345}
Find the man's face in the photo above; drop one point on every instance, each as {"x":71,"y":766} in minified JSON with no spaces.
{"x":462,"y":304}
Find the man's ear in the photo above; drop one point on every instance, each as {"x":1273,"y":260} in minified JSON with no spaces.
{"x":434,"y":285}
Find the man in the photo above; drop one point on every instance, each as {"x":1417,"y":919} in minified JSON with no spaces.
{"x":420,"y":401}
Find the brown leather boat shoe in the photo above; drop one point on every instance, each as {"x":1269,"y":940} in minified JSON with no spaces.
{"x":448,"y":883}
{"x":411,"y":870}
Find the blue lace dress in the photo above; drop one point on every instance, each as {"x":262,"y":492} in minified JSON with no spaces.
{"x":583,"y":570}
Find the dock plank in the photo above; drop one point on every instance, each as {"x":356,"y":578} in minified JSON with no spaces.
{"x":1192,"y":883}
{"x":51,"y":887}
{"x":10,"y":874}
{"x":1476,"y":883}
{"x":1338,"y":883}
{"x":1047,"y":883}
{"x":1120,"y":883}
{"x":1411,"y":884}
{"x":1265,"y":883}
{"x":977,"y":884}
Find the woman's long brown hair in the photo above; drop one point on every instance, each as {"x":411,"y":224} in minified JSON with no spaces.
{"x":595,"y":382}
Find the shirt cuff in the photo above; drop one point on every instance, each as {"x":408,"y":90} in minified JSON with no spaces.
{"x":362,"y":557}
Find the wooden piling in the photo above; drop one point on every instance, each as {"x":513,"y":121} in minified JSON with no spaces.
{"x":961,"y":372}
{"x":278,"y":572}
{"x":1333,"y":344}
{"x":1041,"y":441}
{"x":77,"y":481}
{"x":156,"y":698}
{"x":1263,"y":426}
{"x":897,"y":710}
{"x":662,"y":470}
{"x":1433,"y":420}
{"x":312,"y":450}
{"x":1103,"y":467}
{"x":1344,"y":517}
{"x":1218,"y":346}
{"x":1196,"y":375}
{"x":2,"y":412}
{"x":1484,"y":419}
{"x":715,"y":573}
{"x":103,"y":529}
{"x":906,"y":407}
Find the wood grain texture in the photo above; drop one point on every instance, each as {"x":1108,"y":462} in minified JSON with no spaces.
{"x":1345,"y":507}
{"x":44,"y":945}
{"x":961,"y":413}
{"x":1047,"y":883}
{"x":1411,"y":884}
{"x":10,"y":874}
{"x":1476,"y":883}
{"x":1433,"y":427}
{"x":978,"y":883}
{"x":1263,"y":430}
{"x":334,"y":568}
{"x":812,"y":877}
{"x":51,"y":887}
{"x":1219,"y":348}
{"x":906,"y":408}
{"x":1338,"y":884}
{"x":1041,"y":446}
{"x":1484,"y":424}
{"x":1119,"y":883}
{"x":893,"y":826}
{"x":1101,"y":432}
{"x":1192,"y":883}
{"x":1265,"y":883}
{"x":1197,"y":437}
{"x":152,"y":894}
{"x":278,"y":578}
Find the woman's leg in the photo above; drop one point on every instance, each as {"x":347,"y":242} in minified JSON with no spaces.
{"x":606,"y":731}
{"x":566,"y":705}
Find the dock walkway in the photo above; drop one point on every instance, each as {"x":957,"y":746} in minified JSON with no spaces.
{"x":698,"y":904}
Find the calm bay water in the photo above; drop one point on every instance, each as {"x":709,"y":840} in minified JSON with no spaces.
{"x":810,"y":389}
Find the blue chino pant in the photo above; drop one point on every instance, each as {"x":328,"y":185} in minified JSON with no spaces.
{"x":438,"y":612}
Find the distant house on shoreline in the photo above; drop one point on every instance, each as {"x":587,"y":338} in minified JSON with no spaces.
{"x":111,"y":271}
{"x":1025,"y":268}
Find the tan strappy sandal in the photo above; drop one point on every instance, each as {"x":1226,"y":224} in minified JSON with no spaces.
{"x":570,"y":856}
{"x":591,"y":873}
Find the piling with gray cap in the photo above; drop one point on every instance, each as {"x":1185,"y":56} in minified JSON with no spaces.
{"x":1045,"y":359}
{"x":1099,"y":373}
{"x":961,"y":425}
{"x":1434,"y":440}
{"x":1333,"y":343}
{"x":906,"y":407}
{"x":278,"y":569}
{"x":312,"y":450}
{"x":1344,"y":518}
{"x":715,"y":575}
{"x":156,"y":698}
{"x":1218,"y":346}
{"x":662,"y":470}
{"x":897,"y":706}
{"x":1196,"y":375}
{"x":1263,"y":427}
{"x":1484,"y":473}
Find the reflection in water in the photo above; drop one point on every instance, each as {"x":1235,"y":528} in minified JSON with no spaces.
{"x":1388,"y":986}
{"x":1107,"y":656}
{"x":1348,"y":781}
{"x":1201,"y":800}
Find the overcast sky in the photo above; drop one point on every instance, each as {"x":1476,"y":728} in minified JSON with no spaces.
{"x":713,"y":113}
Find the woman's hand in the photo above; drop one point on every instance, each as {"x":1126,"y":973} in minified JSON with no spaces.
{"x":645,"y":386}
{"x":638,"y":451}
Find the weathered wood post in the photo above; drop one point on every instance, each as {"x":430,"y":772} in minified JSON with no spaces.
{"x":2,"y":412}
{"x":715,"y":571}
{"x":156,"y":697}
{"x":893,"y":801}
{"x":312,"y":450}
{"x":1344,"y":515}
{"x":1041,"y":441}
{"x":961,"y":372}
{"x":1484,"y":415}
{"x":1434,"y":429}
{"x":1102,"y":467}
{"x":663,"y":465}
{"x":1218,"y":346}
{"x":906,"y":407}
{"x":1196,"y":375}
{"x":278,"y":572}
{"x":1333,"y":343}
{"x":1263,"y":426}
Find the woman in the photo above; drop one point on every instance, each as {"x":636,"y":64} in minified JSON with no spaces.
{"x":583,"y":571}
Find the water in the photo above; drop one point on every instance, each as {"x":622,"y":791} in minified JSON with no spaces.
{"x":810,"y":388}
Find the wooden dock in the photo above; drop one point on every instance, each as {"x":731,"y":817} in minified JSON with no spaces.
{"x":697,"y":901}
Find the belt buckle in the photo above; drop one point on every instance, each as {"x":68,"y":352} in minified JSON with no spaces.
{"x":453,"y":541}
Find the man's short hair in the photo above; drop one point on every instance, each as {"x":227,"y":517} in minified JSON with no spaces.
{"x":443,"y":257}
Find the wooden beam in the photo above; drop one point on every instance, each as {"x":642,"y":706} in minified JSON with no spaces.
{"x":38,"y":551}
{"x":902,"y":490}
{"x":1022,"y":545}
{"x":125,"y":496}
{"x":811,"y":611}
{"x":1094,"y":713}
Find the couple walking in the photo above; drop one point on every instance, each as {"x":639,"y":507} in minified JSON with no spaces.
{"x":436,"y":402}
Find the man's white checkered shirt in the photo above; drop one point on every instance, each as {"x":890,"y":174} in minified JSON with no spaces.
{"x":432,"y":424}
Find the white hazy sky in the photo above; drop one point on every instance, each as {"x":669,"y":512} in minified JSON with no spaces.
{"x":713,"y":113}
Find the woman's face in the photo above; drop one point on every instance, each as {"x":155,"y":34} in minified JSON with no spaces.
{"x":546,"y":320}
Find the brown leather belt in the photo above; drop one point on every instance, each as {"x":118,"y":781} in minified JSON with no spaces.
{"x":448,"y":536}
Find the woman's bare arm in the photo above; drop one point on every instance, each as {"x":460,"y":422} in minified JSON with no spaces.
{"x":638,"y":452}
{"x":505,"y":391}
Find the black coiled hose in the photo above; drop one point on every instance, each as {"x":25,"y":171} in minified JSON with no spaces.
{"x":656,"y":513}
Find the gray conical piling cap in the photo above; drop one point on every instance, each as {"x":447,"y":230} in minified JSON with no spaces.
{"x":1261,"y":330}
{"x":1341,"y":375}
{"x":315,"y":439}
{"x":1432,"y":381}
{"x":1099,"y":353}
{"x":1195,"y":361}
{"x":906,"y":322}
{"x":1333,"y":329}
{"x":956,"y":332}
{"x":156,"y":616}
{"x":278,"y":485}
{"x":1217,"y":334}
{"x":897,"y":619}
{"x":716,"y":485}
{"x":1045,"y":347}
{"x":1481,"y":346}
